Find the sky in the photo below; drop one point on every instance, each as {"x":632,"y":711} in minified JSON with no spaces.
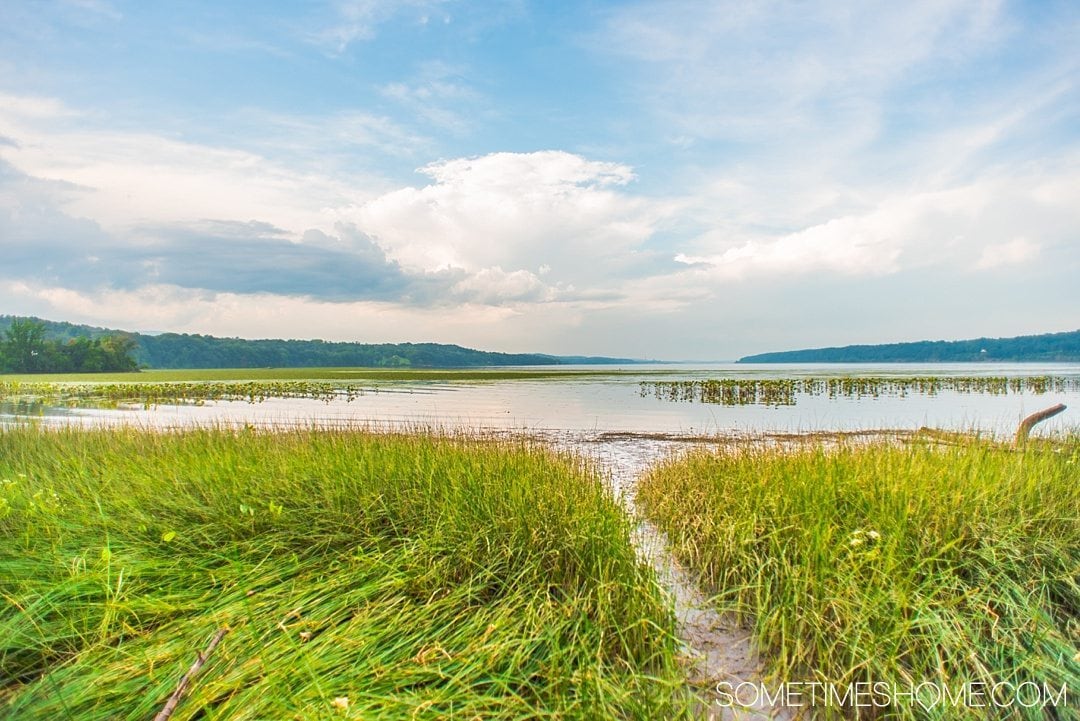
{"x":663,"y":180}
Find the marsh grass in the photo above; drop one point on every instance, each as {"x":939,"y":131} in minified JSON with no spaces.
{"x":417,"y":577}
{"x":312,"y":374}
{"x":152,"y":394}
{"x":787,"y":391}
{"x":181,"y":387}
{"x":890,"y":563}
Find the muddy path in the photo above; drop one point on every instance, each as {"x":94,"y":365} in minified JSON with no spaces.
{"x":716,"y":650}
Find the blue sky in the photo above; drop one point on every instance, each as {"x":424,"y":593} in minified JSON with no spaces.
{"x":654,"y":179}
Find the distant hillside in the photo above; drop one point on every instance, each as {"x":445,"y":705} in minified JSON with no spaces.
{"x":1046,"y":348}
{"x":177,"y":350}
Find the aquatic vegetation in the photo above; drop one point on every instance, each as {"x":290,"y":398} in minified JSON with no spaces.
{"x":786,"y":391}
{"x":151,"y":388}
{"x":893,"y":563}
{"x":197,"y":392}
{"x":386,"y":576}
{"x":313,"y":374}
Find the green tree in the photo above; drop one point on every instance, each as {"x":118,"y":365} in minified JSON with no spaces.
{"x":24,"y":349}
{"x":24,"y":345}
{"x":118,"y":352}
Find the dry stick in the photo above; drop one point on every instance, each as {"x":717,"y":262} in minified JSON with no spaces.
{"x":1027,"y":424}
{"x":171,"y":704}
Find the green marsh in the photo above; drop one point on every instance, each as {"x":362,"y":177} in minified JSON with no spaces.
{"x":786,"y":391}
{"x":418,"y":577}
{"x":890,"y":563}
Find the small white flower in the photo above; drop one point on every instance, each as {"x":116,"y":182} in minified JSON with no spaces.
{"x":874,"y":535}
{"x":341,"y":702}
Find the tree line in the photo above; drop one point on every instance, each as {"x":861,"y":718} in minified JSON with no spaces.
{"x":1045,"y":348}
{"x":25,"y":349}
{"x":172,"y":350}
{"x":181,"y":350}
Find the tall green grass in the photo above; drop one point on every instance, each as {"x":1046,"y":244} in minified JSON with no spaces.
{"x":417,"y":577}
{"x":889,"y":563}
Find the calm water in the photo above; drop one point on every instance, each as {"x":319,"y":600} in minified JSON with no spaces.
{"x":613,"y":403}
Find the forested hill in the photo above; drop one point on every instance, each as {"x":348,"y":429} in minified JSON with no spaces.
{"x":1046,"y":348}
{"x":176,"y":350}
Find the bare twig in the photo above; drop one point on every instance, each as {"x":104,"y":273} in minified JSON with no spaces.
{"x":171,"y":704}
{"x":1027,"y":424}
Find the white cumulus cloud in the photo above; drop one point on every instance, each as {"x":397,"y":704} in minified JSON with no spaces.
{"x":515,"y":211}
{"x":494,"y":285}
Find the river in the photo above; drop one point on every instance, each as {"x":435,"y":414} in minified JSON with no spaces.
{"x":615,"y":403}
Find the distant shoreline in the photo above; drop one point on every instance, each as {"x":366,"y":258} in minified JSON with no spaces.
{"x":1044,"y":348}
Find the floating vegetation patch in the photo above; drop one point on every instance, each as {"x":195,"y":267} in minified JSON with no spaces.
{"x":785,"y":391}
{"x":177,"y":393}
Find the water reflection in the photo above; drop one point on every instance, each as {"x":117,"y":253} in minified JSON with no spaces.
{"x":26,"y":408}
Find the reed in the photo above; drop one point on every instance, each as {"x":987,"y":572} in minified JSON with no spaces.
{"x":787,"y":391}
{"x":890,"y":563}
{"x":360,"y":576}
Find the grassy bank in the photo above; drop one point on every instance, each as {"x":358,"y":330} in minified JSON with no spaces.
{"x":888,"y":563}
{"x":154,"y":387}
{"x":414,"y":577}
{"x":311,"y":374}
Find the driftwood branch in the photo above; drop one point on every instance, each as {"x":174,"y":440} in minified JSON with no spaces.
{"x":1028,"y":423}
{"x":171,"y":704}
